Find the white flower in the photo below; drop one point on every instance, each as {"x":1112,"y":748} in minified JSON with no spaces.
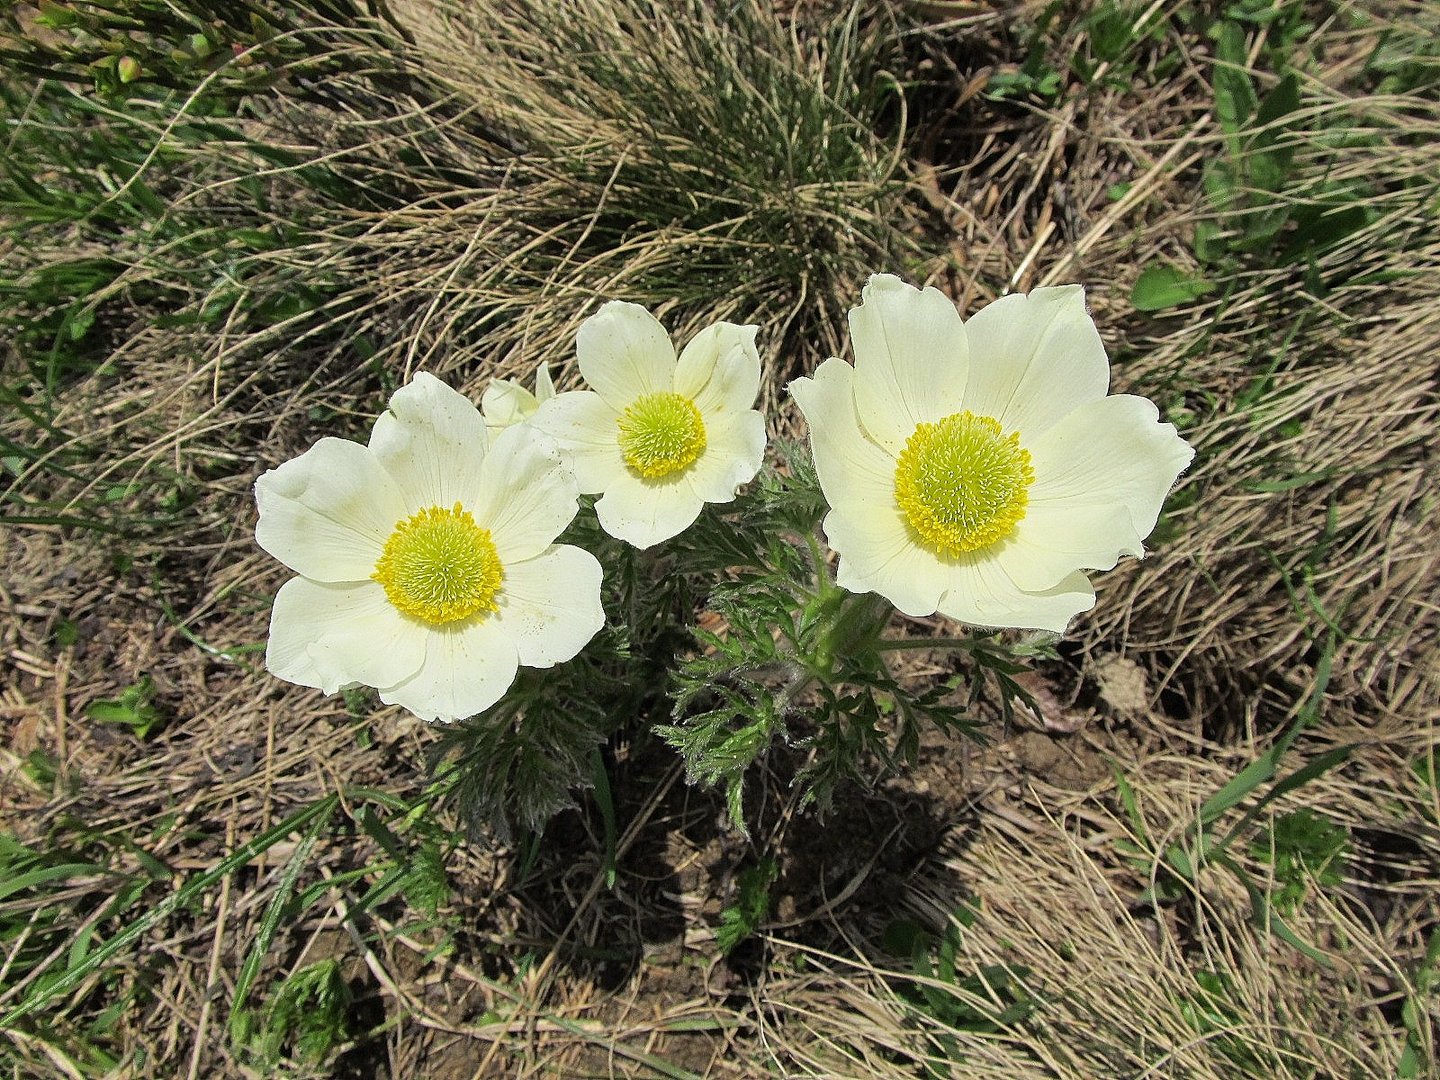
{"x":426,"y":559}
{"x":659,"y":437}
{"x":978,"y":469}
{"x":506,"y":403}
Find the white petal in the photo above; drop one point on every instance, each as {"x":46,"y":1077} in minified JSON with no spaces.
{"x":588,"y":430}
{"x":856,"y":475}
{"x":527,"y":496}
{"x":1056,"y":538}
{"x":734,"y":449}
{"x":330,"y":636}
{"x":327,"y":513}
{"x":506,"y":402}
{"x":432,"y":441}
{"x":467,"y":669}
{"x":982,"y":594}
{"x":1033,"y":358}
{"x":644,"y":512}
{"x":910,"y":358}
{"x":1107,"y":453}
{"x":550,"y":605}
{"x":877,"y":554}
{"x":624,"y":353}
{"x":544,"y":385}
{"x":720,"y":369}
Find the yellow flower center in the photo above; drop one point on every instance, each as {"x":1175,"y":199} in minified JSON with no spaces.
{"x":962,"y":482}
{"x":440,"y":567}
{"x":661,"y":434}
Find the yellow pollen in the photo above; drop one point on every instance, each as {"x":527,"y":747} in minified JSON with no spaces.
{"x":661,"y":434}
{"x":440,"y":567}
{"x":962,"y":483}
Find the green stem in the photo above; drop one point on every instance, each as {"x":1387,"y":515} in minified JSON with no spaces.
{"x":798,"y":681}
{"x":824,"y":583}
{"x":854,"y":628}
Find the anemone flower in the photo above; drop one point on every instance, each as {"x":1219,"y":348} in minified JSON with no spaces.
{"x":978,"y":469}
{"x":426,"y":559}
{"x":659,"y":436}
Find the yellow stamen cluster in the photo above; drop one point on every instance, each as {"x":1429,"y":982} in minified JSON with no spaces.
{"x":661,"y":434}
{"x":440,"y":567}
{"x":962,"y":483}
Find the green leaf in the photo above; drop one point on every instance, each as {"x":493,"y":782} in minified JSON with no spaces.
{"x":1111,"y":33}
{"x":1160,"y":287}
{"x":1180,"y":861}
{"x":1239,"y":786}
{"x":1230,"y":47}
{"x":605,"y":800}
{"x":1235,"y":101}
{"x":900,"y":937}
{"x":1321,"y":230}
{"x":132,"y":709}
{"x":1426,"y":768}
{"x":269,"y":926}
{"x":1312,"y":769}
{"x":48,"y":873}
{"x":1281,"y":100}
{"x":79,"y":322}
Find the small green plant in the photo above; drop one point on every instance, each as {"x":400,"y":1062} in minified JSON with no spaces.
{"x":752,"y":903}
{"x":1245,"y":184}
{"x":1426,"y":770}
{"x":1268,"y":206}
{"x":40,"y":768}
{"x":1212,"y":1013}
{"x":417,"y":854}
{"x":61,"y":971}
{"x":308,"y":1013}
{"x":1406,"y":59}
{"x":69,"y":919}
{"x":1037,"y":77}
{"x":135,"y":709}
{"x":1114,"y":32}
{"x":1419,"y":1054}
{"x":1301,"y":846}
{"x":1097,"y":47}
{"x":60,"y":905}
{"x":991,"y":999}
{"x":124,"y":47}
{"x":1161,"y":287}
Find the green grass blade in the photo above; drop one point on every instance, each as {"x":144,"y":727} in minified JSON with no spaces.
{"x":192,"y":889}
{"x":269,"y":924}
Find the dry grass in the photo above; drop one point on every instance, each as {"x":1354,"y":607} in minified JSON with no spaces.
{"x":459,"y":204}
{"x":1311,"y":493}
{"x":1114,"y":987}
